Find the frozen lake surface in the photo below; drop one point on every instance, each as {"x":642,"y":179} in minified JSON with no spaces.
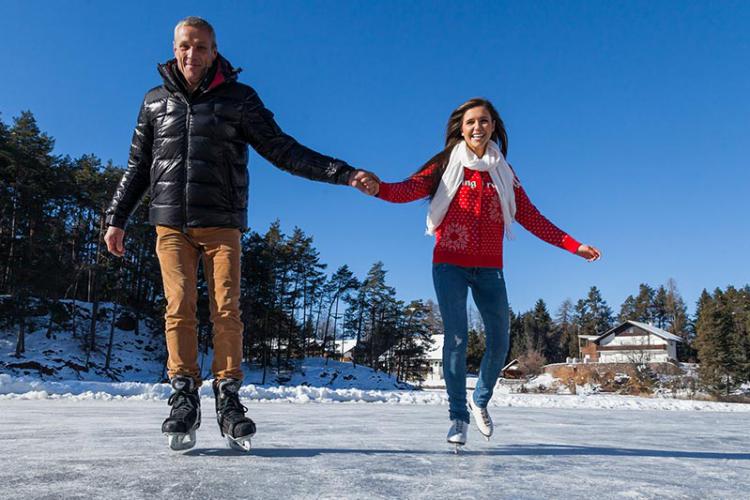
{"x":93,"y":448}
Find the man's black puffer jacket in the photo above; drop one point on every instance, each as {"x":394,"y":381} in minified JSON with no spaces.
{"x":191,"y":152}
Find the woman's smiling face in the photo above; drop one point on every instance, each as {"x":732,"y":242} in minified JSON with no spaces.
{"x":477,"y":127}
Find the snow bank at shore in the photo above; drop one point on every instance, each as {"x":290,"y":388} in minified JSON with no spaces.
{"x":28,"y":389}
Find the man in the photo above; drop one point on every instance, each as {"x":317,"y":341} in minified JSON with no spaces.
{"x":189,"y":149}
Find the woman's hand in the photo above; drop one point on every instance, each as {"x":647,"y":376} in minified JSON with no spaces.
{"x":589,"y":253}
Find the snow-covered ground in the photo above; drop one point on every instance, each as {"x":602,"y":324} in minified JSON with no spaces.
{"x":97,"y":448}
{"x":140,"y":358}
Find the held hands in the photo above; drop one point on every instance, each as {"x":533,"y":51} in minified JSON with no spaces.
{"x":114,"y":239}
{"x":365,"y":181}
{"x":589,"y":253}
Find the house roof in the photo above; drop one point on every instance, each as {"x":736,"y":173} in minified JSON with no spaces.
{"x":510,"y":365}
{"x":348,"y":345}
{"x":649,"y":328}
{"x":657,"y":331}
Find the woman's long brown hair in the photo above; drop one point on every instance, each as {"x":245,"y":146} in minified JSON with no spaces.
{"x":453,"y":136}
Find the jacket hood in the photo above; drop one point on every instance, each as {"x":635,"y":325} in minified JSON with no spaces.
{"x":221,"y":71}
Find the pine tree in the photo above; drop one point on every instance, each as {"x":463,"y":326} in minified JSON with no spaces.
{"x":518,"y":340}
{"x":600,"y":314}
{"x":549,"y":336}
{"x":564,"y":323}
{"x":434,"y":319}
{"x":28,"y":183}
{"x":537,"y":325}
{"x":659,"y":312}
{"x":643,"y":310}
{"x":354,"y":322}
{"x":714,"y":342}
{"x":413,"y":342}
{"x":338,"y":289}
{"x":380,"y":314}
{"x":627,"y":310}
{"x":737,"y":310}
{"x":677,"y":321}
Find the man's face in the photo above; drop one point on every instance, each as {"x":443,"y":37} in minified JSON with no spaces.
{"x":195,"y":53}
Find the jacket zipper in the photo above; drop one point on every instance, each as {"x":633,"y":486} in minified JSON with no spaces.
{"x":187,"y":154}
{"x":185,"y":169}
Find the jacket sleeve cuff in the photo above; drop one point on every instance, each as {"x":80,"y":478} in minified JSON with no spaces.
{"x":115,"y":221}
{"x":343,"y":172}
{"x":570,"y":244}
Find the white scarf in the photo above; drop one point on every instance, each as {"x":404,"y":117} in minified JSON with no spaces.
{"x":492,"y":162}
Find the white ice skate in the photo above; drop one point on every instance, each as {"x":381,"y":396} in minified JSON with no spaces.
{"x":457,"y":434}
{"x":482,"y":419}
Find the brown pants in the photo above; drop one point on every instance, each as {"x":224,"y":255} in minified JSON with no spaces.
{"x":178,"y":254}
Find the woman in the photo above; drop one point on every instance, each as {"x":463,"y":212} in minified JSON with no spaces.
{"x":474,"y":197}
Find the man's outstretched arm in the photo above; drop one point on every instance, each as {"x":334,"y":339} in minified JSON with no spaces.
{"x":265,"y":136}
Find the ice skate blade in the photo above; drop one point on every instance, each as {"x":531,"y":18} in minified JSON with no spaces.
{"x":457,"y":447}
{"x":178,"y":442}
{"x":485,"y":436}
{"x":241,"y":443}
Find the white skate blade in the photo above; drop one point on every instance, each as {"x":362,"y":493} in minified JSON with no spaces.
{"x":240,"y":443}
{"x":481,"y":433}
{"x":457,"y":447}
{"x":179,"y":441}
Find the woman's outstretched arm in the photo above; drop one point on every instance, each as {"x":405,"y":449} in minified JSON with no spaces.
{"x":416,"y":187}
{"x":532,"y":219}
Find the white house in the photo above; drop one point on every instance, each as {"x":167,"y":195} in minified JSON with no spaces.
{"x":344,"y":349}
{"x":435,"y":360}
{"x":631,"y":342}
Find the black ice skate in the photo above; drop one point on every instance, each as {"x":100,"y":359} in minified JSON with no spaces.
{"x":234,"y":425}
{"x":185,"y":416}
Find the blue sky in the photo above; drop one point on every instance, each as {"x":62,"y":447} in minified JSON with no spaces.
{"x":628,"y":121}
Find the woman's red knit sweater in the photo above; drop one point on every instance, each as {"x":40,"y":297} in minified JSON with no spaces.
{"x":471,"y":234}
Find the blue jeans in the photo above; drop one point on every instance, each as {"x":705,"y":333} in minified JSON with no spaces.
{"x":488,"y":289}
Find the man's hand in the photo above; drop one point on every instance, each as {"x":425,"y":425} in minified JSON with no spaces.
{"x":114,"y":239}
{"x":365,"y":181}
{"x":589,"y":253}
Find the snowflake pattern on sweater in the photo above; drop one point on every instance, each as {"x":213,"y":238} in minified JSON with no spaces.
{"x":471,"y":234}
